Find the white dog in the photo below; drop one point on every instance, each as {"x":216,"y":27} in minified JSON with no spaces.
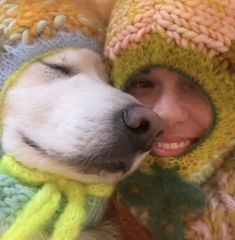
{"x":67,"y":135}
{"x":63,"y":118}
{"x":61,"y":110}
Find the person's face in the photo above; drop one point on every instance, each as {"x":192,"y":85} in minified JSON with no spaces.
{"x":184,"y":109}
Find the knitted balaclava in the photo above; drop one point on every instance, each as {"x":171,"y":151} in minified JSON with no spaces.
{"x":197,"y":39}
{"x":34,"y":203}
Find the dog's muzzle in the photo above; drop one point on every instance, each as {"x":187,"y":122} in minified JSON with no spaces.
{"x":136,"y":129}
{"x":143,"y":126}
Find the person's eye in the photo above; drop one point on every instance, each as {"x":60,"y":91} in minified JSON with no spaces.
{"x":139,"y":84}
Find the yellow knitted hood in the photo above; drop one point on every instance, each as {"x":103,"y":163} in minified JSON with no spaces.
{"x":195,"y":38}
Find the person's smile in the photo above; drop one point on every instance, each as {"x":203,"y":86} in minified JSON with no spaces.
{"x":172,"y":146}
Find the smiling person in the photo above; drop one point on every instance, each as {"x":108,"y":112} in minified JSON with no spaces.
{"x":186,"y":111}
{"x":178,"y":58}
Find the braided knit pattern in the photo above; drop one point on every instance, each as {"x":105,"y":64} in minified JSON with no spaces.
{"x":42,"y":206}
{"x":206,"y":25}
{"x":26,"y":20}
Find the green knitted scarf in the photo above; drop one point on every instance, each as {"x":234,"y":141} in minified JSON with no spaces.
{"x":33,"y":203}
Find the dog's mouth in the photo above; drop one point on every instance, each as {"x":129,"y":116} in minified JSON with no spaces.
{"x":116,"y":166}
{"x":87,"y":164}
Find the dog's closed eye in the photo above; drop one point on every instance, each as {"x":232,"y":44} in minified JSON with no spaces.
{"x":66,"y":70}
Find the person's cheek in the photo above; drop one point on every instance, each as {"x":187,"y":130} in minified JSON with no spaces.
{"x":203,"y":114}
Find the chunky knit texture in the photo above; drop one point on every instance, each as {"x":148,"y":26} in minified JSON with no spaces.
{"x":32,"y":201}
{"x":205,"y":25}
{"x":27,"y":20}
{"x":196,"y":39}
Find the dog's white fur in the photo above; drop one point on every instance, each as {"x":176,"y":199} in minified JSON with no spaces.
{"x":68,"y":115}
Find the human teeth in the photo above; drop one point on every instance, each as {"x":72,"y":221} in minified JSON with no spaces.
{"x":174,"y":145}
{"x":166,"y":145}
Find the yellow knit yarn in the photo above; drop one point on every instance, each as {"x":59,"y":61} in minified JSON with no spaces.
{"x":44,"y":204}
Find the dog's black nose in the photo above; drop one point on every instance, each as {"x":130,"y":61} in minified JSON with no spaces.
{"x":144,"y":126}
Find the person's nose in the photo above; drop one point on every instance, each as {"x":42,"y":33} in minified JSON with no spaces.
{"x":172,"y":109}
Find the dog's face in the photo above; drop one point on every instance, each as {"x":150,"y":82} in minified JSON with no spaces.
{"x":62,"y":117}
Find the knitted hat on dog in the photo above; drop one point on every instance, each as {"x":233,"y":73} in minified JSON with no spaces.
{"x":33,"y":203}
{"x":30,"y":30}
{"x":195,"y":38}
